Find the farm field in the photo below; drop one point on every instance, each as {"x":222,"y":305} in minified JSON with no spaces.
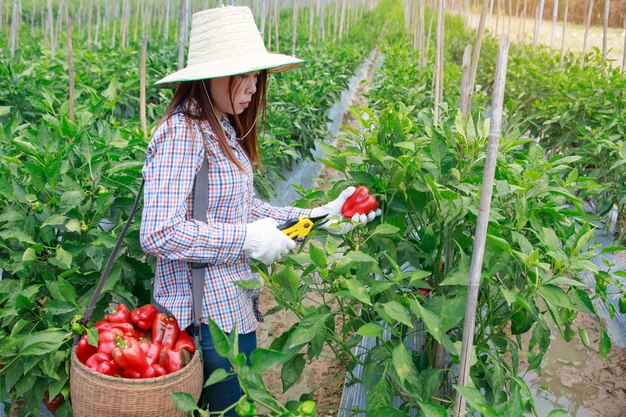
{"x":492,"y":284}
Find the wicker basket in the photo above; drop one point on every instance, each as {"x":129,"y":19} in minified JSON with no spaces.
{"x":97,"y":395}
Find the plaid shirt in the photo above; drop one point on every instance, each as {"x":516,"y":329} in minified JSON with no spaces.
{"x":169,"y":232}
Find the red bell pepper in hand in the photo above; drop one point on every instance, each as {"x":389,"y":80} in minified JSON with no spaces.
{"x":185,"y":341}
{"x":151,"y":350}
{"x":174,"y":360}
{"x":144,"y":316}
{"x":84,"y":350}
{"x":165,"y":330}
{"x":107,"y":340}
{"x":121,"y":314}
{"x":361,"y":202}
{"x":129,"y":356}
{"x":101,"y":362}
{"x":154,"y":371}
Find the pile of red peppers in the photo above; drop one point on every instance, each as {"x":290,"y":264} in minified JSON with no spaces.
{"x":141,"y":343}
{"x":361,"y":201}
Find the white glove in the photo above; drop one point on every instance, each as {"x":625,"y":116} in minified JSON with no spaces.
{"x":265,"y":242}
{"x":333,"y":209}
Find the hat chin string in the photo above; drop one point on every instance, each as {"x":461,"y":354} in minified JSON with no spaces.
{"x":218,"y":119}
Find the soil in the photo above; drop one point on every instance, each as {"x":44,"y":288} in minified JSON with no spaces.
{"x":574,"y":34}
{"x":578,"y":379}
{"x":324,"y":376}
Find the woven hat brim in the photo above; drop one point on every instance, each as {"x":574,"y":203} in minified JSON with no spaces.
{"x":225,"y":68}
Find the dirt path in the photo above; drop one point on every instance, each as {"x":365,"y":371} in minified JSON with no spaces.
{"x":324,"y":375}
{"x":574,"y":34}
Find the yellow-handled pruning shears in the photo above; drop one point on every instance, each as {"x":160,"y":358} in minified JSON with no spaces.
{"x":300,"y":228}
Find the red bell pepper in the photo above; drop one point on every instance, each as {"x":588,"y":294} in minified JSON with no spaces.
{"x":165,"y":330}
{"x":129,"y":356}
{"x":154,"y":371}
{"x":144,"y":316}
{"x":126,"y":328}
{"x":121,"y":314}
{"x":151,"y":350}
{"x":185,"y":341}
{"x":361,"y":202}
{"x":107,"y":340}
{"x":84,"y":350}
{"x":101,"y":362}
{"x":174,"y":360}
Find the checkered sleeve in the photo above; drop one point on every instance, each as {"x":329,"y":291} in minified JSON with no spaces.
{"x":174,"y":156}
{"x":261,"y":209}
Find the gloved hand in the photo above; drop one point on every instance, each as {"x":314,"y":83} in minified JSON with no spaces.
{"x":265,"y":242}
{"x":333,"y":209}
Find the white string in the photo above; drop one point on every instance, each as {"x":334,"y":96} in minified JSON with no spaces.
{"x":218,"y":119}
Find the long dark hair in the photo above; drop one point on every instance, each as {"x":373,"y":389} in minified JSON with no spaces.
{"x":242,"y":123}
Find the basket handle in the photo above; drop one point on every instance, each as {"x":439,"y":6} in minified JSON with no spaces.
{"x":107,"y":269}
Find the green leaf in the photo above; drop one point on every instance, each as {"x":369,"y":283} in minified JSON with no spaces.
{"x":292,"y":369}
{"x":18,"y":235}
{"x":92,"y":336}
{"x":318,"y":255}
{"x":360,"y":257}
{"x":386,"y":412}
{"x":431,"y":409}
{"x":41,"y":343}
{"x":555,"y":296}
{"x":559,"y":413}
{"x":456,"y":278}
{"x":71,"y":200}
{"x":370,"y":329}
{"x":261,"y":359}
{"x":385,"y":229}
{"x":402,"y":362}
{"x":398,"y":312}
{"x":438,"y":147}
{"x":63,"y":258}
{"x":358,"y":291}
{"x":55,"y":220}
{"x":379,"y":395}
{"x":247,"y":283}
{"x":220,"y":341}
{"x":605,"y":344}
{"x":185,"y":402}
{"x":216,"y":376}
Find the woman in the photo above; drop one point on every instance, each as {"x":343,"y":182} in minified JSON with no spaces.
{"x":213,"y":114}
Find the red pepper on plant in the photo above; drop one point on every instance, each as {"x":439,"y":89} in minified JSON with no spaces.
{"x":361,"y":202}
{"x":144,"y":316}
{"x":185,"y":341}
{"x":165,"y":330}
{"x":84,"y":350}
{"x":101,"y":362}
{"x":121,"y":314}
{"x":129,"y":356}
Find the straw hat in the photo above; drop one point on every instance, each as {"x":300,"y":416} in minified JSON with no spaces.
{"x":226,"y":41}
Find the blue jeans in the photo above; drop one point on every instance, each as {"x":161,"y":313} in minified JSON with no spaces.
{"x":227,"y":392}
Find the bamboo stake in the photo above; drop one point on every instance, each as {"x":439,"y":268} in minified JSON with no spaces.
{"x":311,"y":17}
{"x":182,"y":33}
{"x":441,"y":27}
{"x":270,"y":22}
{"x":477,"y":45}
{"x":420,"y":40}
{"x":166,"y":30}
{"x":262,"y":18}
{"x":32,"y":23}
{"x":335,"y":20}
{"x":624,"y":52}
{"x":98,"y":24}
{"x":115,"y":19}
{"x":142,"y":86}
{"x":294,"y":35}
{"x":320,"y":23}
{"x":438,"y":81}
{"x":465,"y":93}
{"x":276,"y":27}
{"x":89,"y":18}
{"x":430,"y":27}
{"x":490,"y":13}
{"x":510,"y":17}
{"x":50,"y":29}
{"x":563,"y":37}
{"x":70,"y":63}
{"x":523,"y":29}
{"x":341,"y":22}
{"x":498,"y":13}
{"x":1,"y":15}
{"x":555,"y":13}
{"x":605,"y":28}
{"x":140,"y":6}
{"x":14,"y":28}
{"x":587,"y":22}
{"x":539,"y":19}
{"x":483,"y":221}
